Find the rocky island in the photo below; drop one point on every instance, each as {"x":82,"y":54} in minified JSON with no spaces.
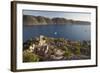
{"x":42,"y":20}
{"x":44,"y":48}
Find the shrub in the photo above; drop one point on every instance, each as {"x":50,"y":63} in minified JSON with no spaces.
{"x":30,"y":57}
{"x":67,"y":54}
{"x":78,"y":52}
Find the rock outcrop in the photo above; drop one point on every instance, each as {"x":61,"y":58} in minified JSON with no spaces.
{"x":54,"y":49}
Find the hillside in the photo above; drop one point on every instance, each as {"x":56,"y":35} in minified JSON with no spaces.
{"x":41,"y":20}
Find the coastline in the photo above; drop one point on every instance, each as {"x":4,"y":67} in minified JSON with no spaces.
{"x":50,"y":49}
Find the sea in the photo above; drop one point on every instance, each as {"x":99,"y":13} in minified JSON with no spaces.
{"x":77,"y":32}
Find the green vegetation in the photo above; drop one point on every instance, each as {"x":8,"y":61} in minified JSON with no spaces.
{"x":67,"y":54}
{"x":55,"y":49}
{"x":30,"y":57}
{"x":77,"y":52}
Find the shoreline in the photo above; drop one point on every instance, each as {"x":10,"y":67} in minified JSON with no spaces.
{"x":54,"y":24}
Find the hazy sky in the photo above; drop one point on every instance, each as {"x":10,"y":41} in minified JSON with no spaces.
{"x":68,"y":15}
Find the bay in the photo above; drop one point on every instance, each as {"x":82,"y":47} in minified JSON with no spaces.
{"x":78,"y":32}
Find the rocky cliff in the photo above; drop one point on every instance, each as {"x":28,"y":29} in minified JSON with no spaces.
{"x":41,"y":20}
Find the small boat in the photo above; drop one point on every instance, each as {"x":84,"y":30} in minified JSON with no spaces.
{"x":55,"y":33}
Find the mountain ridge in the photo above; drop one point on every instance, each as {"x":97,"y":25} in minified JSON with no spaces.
{"x":42,"y":20}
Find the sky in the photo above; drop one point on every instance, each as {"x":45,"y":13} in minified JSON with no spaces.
{"x":51,"y":14}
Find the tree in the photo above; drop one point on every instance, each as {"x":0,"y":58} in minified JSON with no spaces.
{"x":67,"y":53}
{"x":77,"y":52}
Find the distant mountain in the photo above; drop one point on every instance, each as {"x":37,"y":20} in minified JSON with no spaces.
{"x":41,"y":20}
